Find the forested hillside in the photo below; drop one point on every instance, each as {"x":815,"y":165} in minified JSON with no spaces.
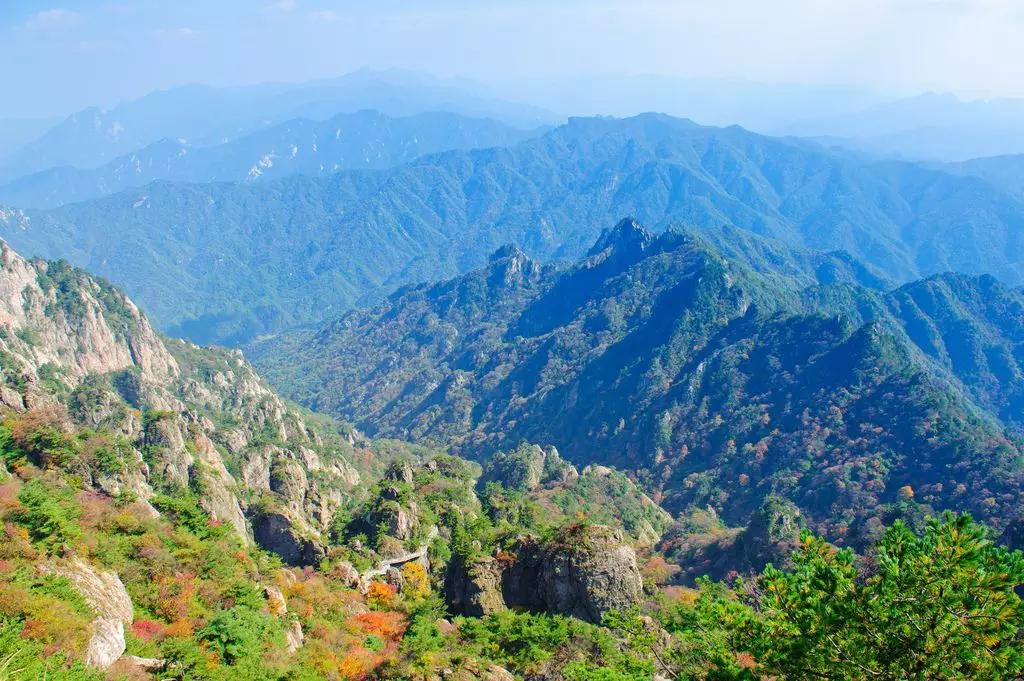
{"x":137,"y":472}
{"x":722,"y":387}
{"x":229,"y":262}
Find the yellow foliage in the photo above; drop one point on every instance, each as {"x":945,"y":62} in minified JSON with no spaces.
{"x":417,"y":582}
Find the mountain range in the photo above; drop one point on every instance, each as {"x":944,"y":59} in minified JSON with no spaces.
{"x":362,"y":140}
{"x":476,"y":424}
{"x":230,"y":262}
{"x":720,"y":385}
{"x":203,"y":115}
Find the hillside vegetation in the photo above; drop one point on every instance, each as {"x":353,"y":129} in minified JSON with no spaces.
{"x":227,"y":263}
{"x":720,"y":387}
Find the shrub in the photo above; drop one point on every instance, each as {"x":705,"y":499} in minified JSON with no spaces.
{"x":239,"y":633}
{"x":50,"y":515}
{"x":381,"y":595}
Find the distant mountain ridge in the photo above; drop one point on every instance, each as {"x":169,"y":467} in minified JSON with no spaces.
{"x":1005,"y":172}
{"x":363,"y":140}
{"x":206,"y":115}
{"x":926,"y":127}
{"x":227,"y":263}
{"x":718,"y":385}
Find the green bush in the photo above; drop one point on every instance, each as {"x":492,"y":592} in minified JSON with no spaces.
{"x":23,"y":659}
{"x":239,"y":633}
{"x":50,"y":515}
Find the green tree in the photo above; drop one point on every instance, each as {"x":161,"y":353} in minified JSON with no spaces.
{"x":51,"y":515}
{"x":239,"y":633}
{"x":937,"y":606}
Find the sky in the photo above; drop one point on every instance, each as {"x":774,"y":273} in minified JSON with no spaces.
{"x":57,"y":57}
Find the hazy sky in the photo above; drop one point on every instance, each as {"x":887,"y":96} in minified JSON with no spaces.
{"x":61,"y":56}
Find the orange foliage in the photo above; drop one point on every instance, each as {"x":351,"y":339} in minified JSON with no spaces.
{"x":658,"y":570}
{"x":14,"y":543}
{"x":180,"y":628}
{"x":357,"y":664}
{"x":389,"y":625}
{"x":505,"y":557}
{"x":746,"y":661}
{"x":681,"y":595}
{"x":175,"y":595}
{"x":380,"y":595}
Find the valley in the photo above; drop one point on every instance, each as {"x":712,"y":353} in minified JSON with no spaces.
{"x":391,"y":376}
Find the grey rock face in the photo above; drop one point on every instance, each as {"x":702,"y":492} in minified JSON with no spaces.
{"x":275,"y":532}
{"x":584,"y":573}
{"x":590,"y":573}
{"x":163,"y":396}
{"x":475,"y":589}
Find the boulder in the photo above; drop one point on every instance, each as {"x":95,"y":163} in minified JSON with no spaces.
{"x":393,"y":577}
{"x":106,"y":595}
{"x":345,"y":573}
{"x":589,"y":572}
{"x":496,"y":673}
{"x":276,"y":602}
{"x":293,"y":636}
{"x":584,"y":573}
{"x":475,"y":589}
{"x":399,"y":472}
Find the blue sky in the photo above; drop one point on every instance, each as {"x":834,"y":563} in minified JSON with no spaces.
{"x":59,"y":56}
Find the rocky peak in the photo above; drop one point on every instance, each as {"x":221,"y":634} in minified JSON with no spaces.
{"x":627,"y":236}
{"x":400,"y":471}
{"x":528,"y":467}
{"x":55,"y":316}
{"x":507,"y":252}
{"x":509,"y":266}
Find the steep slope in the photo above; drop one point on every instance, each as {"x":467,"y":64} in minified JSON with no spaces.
{"x":362,"y":140}
{"x":219,"y":262}
{"x":722,"y":387}
{"x":156,"y":418}
{"x":969,"y":328}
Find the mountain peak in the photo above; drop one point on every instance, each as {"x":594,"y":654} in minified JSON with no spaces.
{"x":627,"y":234}
{"x":506,"y":252}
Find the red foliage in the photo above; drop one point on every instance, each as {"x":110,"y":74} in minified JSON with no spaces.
{"x":147,"y":630}
{"x":505,"y":557}
{"x":33,"y":628}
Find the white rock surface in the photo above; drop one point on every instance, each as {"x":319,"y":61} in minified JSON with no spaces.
{"x":106,"y":595}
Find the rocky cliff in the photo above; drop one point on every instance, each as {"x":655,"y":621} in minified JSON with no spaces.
{"x":585,"y":572}
{"x":76,"y":353}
